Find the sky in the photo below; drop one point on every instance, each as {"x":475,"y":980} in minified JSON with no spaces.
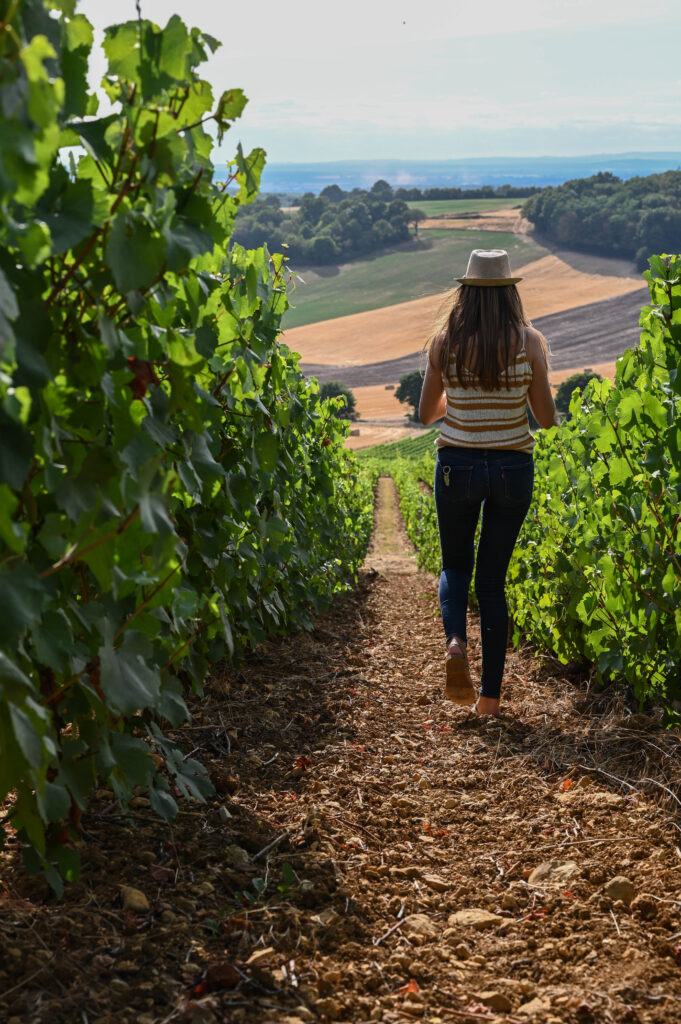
{"x":437,"y":79}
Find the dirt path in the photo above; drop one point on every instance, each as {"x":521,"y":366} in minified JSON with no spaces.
{"x":369,"y":852}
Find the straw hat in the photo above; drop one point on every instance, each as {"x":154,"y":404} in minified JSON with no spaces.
{"x":489,"y":268}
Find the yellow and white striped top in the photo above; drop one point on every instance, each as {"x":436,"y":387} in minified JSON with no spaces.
{"x":476,"y":418}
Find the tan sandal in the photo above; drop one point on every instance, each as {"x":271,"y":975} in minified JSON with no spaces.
{"x":459,"y":686}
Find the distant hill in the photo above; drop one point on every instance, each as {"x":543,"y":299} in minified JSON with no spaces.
{"x":297,"y":178}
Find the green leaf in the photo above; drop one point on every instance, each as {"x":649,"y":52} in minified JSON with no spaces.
{"x":10,"y":532}
{"x":55,"y":803}
{"x":249,"y":172}
{"x":75,"y":214}
{"x":27,"y":736}
{"x":22,"y":598}
{"x":267,"y":449}
{"x":8,"y":302}
{"x":163,"y":804}
{"x":135,"y":252}
{"x":231,"y":104}
{"x":11,"y":673}
{"x":93,"y":134}
{"x":128,"y":684}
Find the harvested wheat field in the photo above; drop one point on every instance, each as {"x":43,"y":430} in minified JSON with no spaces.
{"x":550,"y":285}
{"x":376,"y":402}
{"x":497,"y":220}
{"x":374,"y":853}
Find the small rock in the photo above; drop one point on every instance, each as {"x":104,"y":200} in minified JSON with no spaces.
{"x":236,"y":855}
{"x":495,"y":1000}
{"x":475,"y":918}
{"x":535,"y":1007}
{"x":328,"y":1008}
{"x":185,"y":905}
{"x":462,"y":951}
{"x":198,"y":1014}
{"x":620,"y":888}
{"x":553,"y":872}
{"x":224,"y":814}
{"x":127,"y":967}
{"x":134,"y":899}
{"x":409,"y":872}
{"x":509,"y":902}
{"x":413,"y":1007}
{"x":604,"y":799}
{"x":205,"y":888}
{"x":436,"y":883}
{"x":645,"y":906}
{"x":420,"y":927}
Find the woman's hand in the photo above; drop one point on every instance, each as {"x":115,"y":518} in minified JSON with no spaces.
{"x":433,"y":402}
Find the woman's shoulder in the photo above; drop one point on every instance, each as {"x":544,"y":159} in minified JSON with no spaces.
{"x":435,"y":348}
{"x":536,"y":345}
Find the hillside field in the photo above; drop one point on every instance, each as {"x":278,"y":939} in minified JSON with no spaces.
{"x":549,"y":286}
{"x":455,"y":207}
{"x":419,"y":268}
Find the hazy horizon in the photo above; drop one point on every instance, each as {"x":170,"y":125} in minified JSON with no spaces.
{"x":552,"y":77}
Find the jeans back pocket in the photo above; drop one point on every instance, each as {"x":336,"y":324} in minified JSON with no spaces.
{"x":453,"y":482}
{"x":518,"y":482}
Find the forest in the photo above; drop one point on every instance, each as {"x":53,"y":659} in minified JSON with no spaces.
{"x":606,"y":215}
{"x":325,"y":228}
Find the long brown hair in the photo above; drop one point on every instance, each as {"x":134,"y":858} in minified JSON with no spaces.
{"x":482,"y":329}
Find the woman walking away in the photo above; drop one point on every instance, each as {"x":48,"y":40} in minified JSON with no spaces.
{"x":484,"y":366}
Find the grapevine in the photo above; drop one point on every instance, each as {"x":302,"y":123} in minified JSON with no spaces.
{"x":172,"y":489}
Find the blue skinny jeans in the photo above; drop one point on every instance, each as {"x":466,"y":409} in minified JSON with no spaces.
{"x":468,"y":480}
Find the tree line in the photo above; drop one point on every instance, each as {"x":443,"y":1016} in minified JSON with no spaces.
{"x":334,"y":225}
{"x":342,"y":224}
{"x":604,"y":214}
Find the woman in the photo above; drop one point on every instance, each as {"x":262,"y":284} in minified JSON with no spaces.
{"x":484,"y":366}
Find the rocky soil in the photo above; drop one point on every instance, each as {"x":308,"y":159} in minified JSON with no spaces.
{"x":374,"y":853}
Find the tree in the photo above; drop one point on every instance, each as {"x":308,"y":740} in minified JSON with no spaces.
{"x":564,"y":392}
{"x":408,"y":391}
{"x":415,"y":216}
{"x":382,"y":190}
{"x":336,"y":389}
{"x":323,"y":250}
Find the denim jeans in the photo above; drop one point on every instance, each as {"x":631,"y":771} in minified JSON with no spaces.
{"x":500,"y":483}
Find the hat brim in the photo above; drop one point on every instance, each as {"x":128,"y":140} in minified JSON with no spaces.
{"x":489,"y":282}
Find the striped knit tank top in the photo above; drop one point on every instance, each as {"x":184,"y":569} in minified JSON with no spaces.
{"x":489,"y":419}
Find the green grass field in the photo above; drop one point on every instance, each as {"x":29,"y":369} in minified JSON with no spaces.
{"x":451,"y":207}
{"x":409,"y":272}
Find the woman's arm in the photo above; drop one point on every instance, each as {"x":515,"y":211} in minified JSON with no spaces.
{"x":539,"y":393}
{"x":433,"y":398}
